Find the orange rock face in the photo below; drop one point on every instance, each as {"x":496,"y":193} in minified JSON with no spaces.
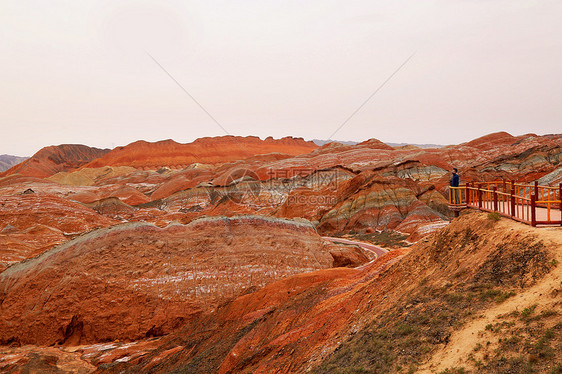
{"x":53,"y":159}
{"x":137,"y":280}
{"x":168,"y":153}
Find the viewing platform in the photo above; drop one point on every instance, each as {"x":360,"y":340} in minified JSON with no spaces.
{"x":528,"y":203}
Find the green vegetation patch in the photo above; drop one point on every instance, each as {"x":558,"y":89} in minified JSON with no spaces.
{"x":494,"y":216}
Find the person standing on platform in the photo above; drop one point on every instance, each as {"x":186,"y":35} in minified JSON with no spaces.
{"x":454,"y":182}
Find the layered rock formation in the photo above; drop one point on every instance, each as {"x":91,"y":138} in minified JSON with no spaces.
{"x":137,"y":280}
{"x":91,"y":176}
{"x":223,"y":149}
{"x":54,"y":159}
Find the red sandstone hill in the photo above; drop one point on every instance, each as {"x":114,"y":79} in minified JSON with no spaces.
{"x":497,"y":139}
{"x":54,"y":159}
{"x":137,"y":280}
{"x":168,"y":153}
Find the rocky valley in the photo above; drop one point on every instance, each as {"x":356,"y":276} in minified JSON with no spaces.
{"x":242,"y":255}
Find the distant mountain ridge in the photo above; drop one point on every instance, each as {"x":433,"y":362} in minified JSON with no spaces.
{"x":7,"y":161}
{"x":321,"y":142}
{"x":416,"y":145}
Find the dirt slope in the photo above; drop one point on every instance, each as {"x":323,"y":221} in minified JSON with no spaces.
{"x":468,"y":346}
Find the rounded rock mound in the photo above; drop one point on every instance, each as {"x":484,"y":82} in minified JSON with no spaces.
{"x":137,"y":280}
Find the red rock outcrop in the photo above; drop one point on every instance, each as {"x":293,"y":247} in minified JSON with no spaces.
{"x":136,"y":280}
{"x":380,"y":204}
{"x":54,"y":159}
{"x":284,"y":186}
{"x":223,"y":149}
{"x":494,"y":140}
{"x":181,"y":181}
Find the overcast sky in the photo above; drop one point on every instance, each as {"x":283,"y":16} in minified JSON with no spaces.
{"x":80,"y":71}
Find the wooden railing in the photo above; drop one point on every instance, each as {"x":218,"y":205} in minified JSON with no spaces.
{"x":528,"y":203}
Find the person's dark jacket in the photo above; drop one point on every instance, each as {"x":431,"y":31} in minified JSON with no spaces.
{"x":455,"y":180}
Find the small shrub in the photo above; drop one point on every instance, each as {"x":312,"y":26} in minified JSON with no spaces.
{"x":510,"y":342}
{"x":494,"y":216}
{"x":514,"y":314}
{"x":455,"y":297}
{"x":503,"y":296}
{"x":528,"y":311}
{"x":490,"y":294}
{"x":549,"y":334}
{"x":542,"y":349}
{"x":460,"y":370}
{"x":544,"y":314}
{"x":497,"y":327}
{"x":403,"y":329}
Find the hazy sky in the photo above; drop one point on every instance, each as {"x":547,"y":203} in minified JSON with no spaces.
{"x":79,"y":72}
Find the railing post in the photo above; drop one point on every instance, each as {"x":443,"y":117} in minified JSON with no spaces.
{"x":560,"y":196}
{"x":467,"y":193}
{"x":512,"y":197}
{"x":537,"y":190}
{"x":495,"y":199}
{"x":533,"y":210}
{"x":480,"y":196}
